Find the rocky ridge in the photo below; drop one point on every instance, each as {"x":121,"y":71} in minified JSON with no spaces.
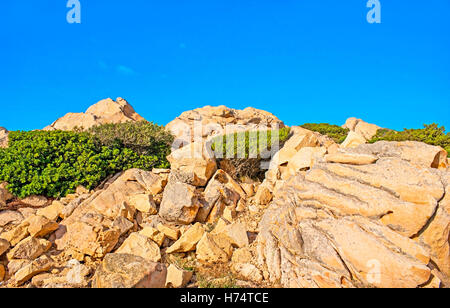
{"x":326,"y":215}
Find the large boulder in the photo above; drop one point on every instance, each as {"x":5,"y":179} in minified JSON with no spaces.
{"x":364,"y":129}
{"x":105,"y":111}
{"x":129,"y":271}
{"x":203,"y":123}
{"x":180,"y":203}
{"x":358,"y":221}
{"x":193,"y":164}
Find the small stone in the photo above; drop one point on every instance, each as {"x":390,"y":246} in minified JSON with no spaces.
{"x":123,"y":224}
{"x":4,"y":246}
{"x":17,"y":234}
{"x":52,"y":212}
{"x":30,"y":248}
{"x":143,"y":203}
{"x":35,"y":201}
{"x":188,"y":241}
{"x":140,"y":245}
{"x":153,"y":234}
{"x":38,"y":266}
{"x":209,"y":252}
{"x":170,"y":232}
{"x":177,"y":278}
{"x":40,"y":226}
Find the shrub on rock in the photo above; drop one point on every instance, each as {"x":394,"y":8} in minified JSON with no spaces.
{"x":337,"y":133}
{"x":55,"y":163}
{"x":431,"y":134}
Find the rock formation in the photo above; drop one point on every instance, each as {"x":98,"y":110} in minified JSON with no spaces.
{"x":105,"y":111}
{"x":3,"y":137}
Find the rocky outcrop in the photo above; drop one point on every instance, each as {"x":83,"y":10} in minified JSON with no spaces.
{"x":357,"y":219}
{"x":203,"y":123}
{"x":105,"y":111}
{"x":364,"y":129}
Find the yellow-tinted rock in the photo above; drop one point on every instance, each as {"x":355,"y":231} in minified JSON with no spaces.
{"x":38,"y":266}
{"x":153,"y":234}
{"x":40,"y":226}
{"x":177,"y":278}
{"x":188,"y":241}
{"x":51,"y":212}
{"x":170,"y":232}
{"x":143,"y":203}
{"x":17,"y":234}
{"x":208,"y":251}
{"x":30,"y":248}
{"x":140,"y":245}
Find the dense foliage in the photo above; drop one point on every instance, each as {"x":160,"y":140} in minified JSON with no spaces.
{"x":54,"y":163}
{"x":241,"y":154}
{"x":249,"y":144}
{"x":144,"y":138}
{"x":337,"y":133}
{"x":430,"y":134}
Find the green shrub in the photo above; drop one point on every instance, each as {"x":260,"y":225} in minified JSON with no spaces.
{"x":431,"y":134}
{"x":248,"y":144}
{"x":54,"y":163}
{"x":241,"y":154}
{"x":337,"y":133}
{"x":144,"y":138}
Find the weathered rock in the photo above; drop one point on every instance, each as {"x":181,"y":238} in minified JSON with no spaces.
{"x":40,"y":226}
{"x":364,"y":129}
{"x":436,"y":234}
{"x":353,"y":140}
{"x":208,"y":251}
{"x":222,"y":191}
{"x":180,"y":203}
{"x":248,"y":271}
{"x":122,"y":224}
{"x":10,"y":217}
{"x":129,"y":271}
{"x":203,"y":123}
{"x":90,"y":229}
{"x":417,"y":153}
{"x":263,"y":194}
{"x":170,"y":232}
{"x":351,"y":158}
{"x":195,"y":163}
{"x":140,"y":245}
{"x":4,"y":246}
{"x":34,"y":268}
{"x":17,"y":234}
{"x":105,"y":111}
{"x":35,"y":201}
{"x":153,"y":234}
{"x":303,"y":160}
{"x":344,"y":225}
{"x":188,"y":241}
{"x":177,"y":278}
{"x":143,"y":203}
{"x":52,"y":212}
{"x":29,"y":248}
{"x":235,"y":233}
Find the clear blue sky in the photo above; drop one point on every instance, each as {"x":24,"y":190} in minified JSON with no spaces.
{"x":303,"y":60}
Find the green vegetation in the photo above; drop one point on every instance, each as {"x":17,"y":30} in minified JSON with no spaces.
{"x":241,"y":154}
{"x":144,"y":138}
{"x":337,"y":133}
{"x":227,"y":282}
{"x":54,"y":163}
{"x":248,"y":144}
{"x":431,"y":134}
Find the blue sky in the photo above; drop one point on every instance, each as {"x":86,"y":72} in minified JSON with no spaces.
{"x":303,"y":60}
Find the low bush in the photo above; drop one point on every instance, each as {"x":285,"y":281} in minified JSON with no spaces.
{"x":337,"y":133}
{"x":54,"y":163}
{"x":431,"y":134}
{"x":144,"y":138}
{"x":241,"y":154}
